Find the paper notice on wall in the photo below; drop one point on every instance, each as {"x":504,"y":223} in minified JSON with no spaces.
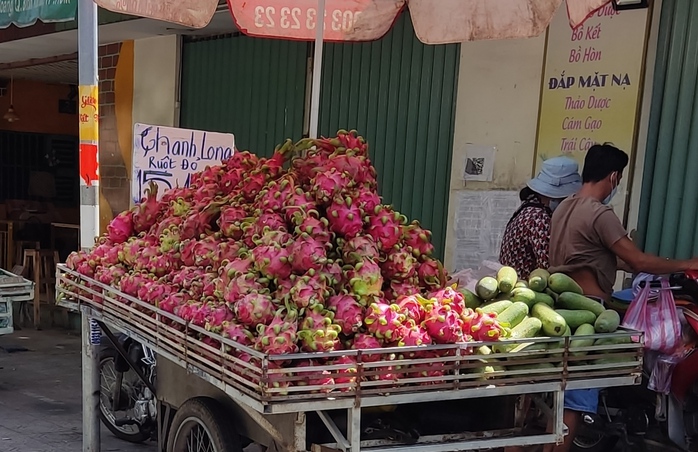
{"x":480,"y":220}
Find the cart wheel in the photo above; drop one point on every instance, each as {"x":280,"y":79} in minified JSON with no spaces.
{"x":201,"y":425}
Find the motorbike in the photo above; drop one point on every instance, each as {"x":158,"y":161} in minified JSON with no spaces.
{"x":128,"y":406}
{"x":628,"y":418}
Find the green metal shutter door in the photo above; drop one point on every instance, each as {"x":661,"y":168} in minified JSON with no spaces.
{"x":254,"y":88}
{"x":669,"y":202}
{"x":400,"y":95}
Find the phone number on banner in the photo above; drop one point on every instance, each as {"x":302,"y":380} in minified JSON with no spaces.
{"x":289,"y":18}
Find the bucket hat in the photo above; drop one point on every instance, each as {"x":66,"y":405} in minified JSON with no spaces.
{"x":558,"y":178}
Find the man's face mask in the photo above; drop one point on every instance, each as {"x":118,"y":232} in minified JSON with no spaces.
{"x":614,"y":190}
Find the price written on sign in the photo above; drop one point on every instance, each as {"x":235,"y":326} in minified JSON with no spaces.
{"x":343,"y":20}
{"x":169,"y":156}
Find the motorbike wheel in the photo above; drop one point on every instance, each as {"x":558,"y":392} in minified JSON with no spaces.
{"x":201,"y":425}
{"x":588,"y":440}
{"x":107,"y":374}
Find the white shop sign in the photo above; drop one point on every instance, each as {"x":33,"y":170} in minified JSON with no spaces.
{"x":168,"y":156}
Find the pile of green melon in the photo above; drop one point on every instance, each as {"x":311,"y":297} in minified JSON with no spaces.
{"x":547,"y":305}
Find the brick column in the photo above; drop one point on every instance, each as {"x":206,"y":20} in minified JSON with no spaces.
{"x":113,"y":173}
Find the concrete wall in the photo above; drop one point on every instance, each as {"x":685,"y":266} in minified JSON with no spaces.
{"x":498,"y":97}
{"x":156,"y":81}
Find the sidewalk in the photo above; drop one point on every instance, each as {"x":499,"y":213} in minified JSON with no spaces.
{"x":40,"y":396}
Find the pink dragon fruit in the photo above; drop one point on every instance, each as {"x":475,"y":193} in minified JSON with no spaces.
{"x":231,"y":270}
{"x":241,"y":286}
{"x":367,"y":200}
{"x":283,"y":289}
{"x":206,"y":192}
{"x":357,"y":167}
{"x":346,"y":375}
{"x":443,"y":324}
{"x":318,"y":333}
{"x":307,"y":253}
{"x":199,"y":221}
{"x":159,"y":265}
{"x":329,"y":184}
{"x":155,"y":293}
{"x":205,"y":251}
{"x":366,"y":342}
{"x":252,"y":184}
{"x":418,"y":239}
{"x":273,"y":197}
{"x":345,"y":217}
{"x":298,"y":204}
{"x":312,"y":377}
{"x":384,"y":226}
{"x":402,"y":288}
{"x":231,"y":221}
{"x":334,"y":272}
{"x":244,"y":160}
{"x":451,"y":297}
{"x":432,"y":369}
{"x":237,"y":333}
{"x":169,"y":239}
{"x":121,"y":227}
{"x":109,"y":275}
{"x":485,"y":327}
{"x":317,"y":228}
{"x":413,"y":336}
{"x":225,"y":252}
{"x":274,"y":238}
{"x":172,"y":302}
{"x":309,"y":289}
{"x":431,"y":274}
{"x":359,"y":248}
{"x":348,"y":314}
{"x":253,"y":309}
{"x":263,"y":223}
{"x":413,"y":307}
{"x":279,"y":337}
{"x":146,"y":213}
{"x":352,"y":141}
{"x":272,"y":261}
{"x":131,"y":283}
{"x":195,"y":312}
{"x":365,"y":280}
{"x":385,"y":321}
{"x":219,"y":315}
{"x":399,"y":264}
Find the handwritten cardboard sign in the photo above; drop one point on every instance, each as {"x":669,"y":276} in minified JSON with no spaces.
{"x":169,"y":156}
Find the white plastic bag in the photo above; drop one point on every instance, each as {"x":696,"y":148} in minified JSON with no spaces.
{"x":469,"y":277}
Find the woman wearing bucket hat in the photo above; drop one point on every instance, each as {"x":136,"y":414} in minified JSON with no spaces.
{"x":527,"y":235}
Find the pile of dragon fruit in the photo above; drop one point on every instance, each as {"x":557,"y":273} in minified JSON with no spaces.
{"x":284,"y":254}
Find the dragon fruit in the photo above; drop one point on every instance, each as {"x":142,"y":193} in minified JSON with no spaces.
{"x":366,"y":342}
{"x":231,"y":270}
{"x":334,"y":272}
{"x":273,"y":238}
{"x":312,"y":377}
{"x":385,"y":321}
{"x":484,"y":327}
{"x":357,"y":167}
{"x":414,"y":335}
{"x":413,"y":307}
{"x":272,"y":261}
{"x":320,"y":337}
{"x":109,"y":275}
{"x":367,"y":200}
{"x":231,"y":220}
{"x":254,"y":309}
{"x":173,"y":302}
{"x":384,"y":226}
{"x":252,"y":184}
{"x":237,"y":333}
{"x":279,"y":337}
{"x":200,"y":221}
{"x":358,"y":248}
{"x":219,"y":315}
{"x":146,"y":213}
{"x":329,"y":184}
{"x":418,"y":239}
{"x":451,"y":297}
{"x":274,"y":195}
{"x":346,"y":375}
{"x":365,"y":280}
{"x":307,"y":253}
{"x":121,"y":227}
{"x":348,"y":314}
{"x":402,"y":288}
{"x":399,"y":264}
{"x":431,"y":274}
{"x":241,"y":286}
{"x":309,"y":289}
{"x":205,"y":251}
{"x":298,"y":205}
{"x":430,"y":369}
{"x":345,"y":217}
{"x":317,"y":228}
{"x":443,"y":324}
{"x":283,"y":289}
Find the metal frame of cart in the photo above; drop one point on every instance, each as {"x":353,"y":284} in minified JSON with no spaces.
{"x":262,"y":387}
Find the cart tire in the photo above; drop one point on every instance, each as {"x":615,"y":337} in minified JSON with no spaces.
{"x":590,"y":441}
{"x":202,"y":418}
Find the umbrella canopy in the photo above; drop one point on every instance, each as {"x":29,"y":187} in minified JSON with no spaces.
{"x":435,"y":21}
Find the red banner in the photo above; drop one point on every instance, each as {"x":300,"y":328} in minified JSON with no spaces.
{"x":345,"y":20}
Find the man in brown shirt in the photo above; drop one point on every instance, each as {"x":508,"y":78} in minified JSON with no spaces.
{"x":588,"y":242}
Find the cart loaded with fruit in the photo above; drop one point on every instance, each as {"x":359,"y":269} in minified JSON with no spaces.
{"x":285,"y":293}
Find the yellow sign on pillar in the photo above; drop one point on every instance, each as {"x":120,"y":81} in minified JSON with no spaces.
{"x":88,"y":112}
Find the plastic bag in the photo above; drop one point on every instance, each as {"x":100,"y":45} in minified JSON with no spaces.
{"x":469,"y":277}
{"x":660,"y":379}
{"x":658,"y":320}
